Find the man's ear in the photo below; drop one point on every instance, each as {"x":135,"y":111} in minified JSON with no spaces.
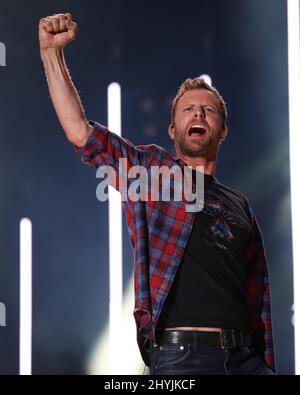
{"x":224,"y":134}
{"x":171,"y":131}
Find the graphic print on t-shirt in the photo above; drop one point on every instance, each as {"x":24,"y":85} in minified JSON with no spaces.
{"x":220,"y":225}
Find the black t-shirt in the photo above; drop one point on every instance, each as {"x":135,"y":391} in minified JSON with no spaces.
{"x":209,"y":289}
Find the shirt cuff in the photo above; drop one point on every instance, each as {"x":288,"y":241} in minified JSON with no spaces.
{"x":91,"y":141}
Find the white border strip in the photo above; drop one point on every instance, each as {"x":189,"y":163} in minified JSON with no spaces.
{"x":115,"y":245}
{"x":25,"y":296}
{"x":294,"y":111}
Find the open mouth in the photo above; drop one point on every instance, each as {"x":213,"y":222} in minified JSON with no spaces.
{"x":197,"y":130}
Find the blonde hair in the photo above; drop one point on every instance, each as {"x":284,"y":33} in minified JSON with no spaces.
{"x":199,"y":83}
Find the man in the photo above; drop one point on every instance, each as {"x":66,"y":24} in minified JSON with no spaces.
{"x":202,"y":302}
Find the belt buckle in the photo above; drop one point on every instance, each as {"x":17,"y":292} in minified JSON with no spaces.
{"x":228,"y":339}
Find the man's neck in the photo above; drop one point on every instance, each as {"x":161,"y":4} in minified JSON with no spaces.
{"x":208,"y":165}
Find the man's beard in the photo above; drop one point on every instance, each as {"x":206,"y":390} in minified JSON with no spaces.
{"x":206,"y":149}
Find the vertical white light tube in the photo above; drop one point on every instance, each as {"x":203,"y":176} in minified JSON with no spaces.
{"x":2,"y":54}
{"x":294,"y":113}
{"x":25,"y":296}
{"x":207,"y":79}
{"x":115,"y":245}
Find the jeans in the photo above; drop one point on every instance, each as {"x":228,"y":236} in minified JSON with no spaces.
{"x":181,"y":359}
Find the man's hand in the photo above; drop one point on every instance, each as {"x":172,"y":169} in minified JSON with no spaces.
{"x":56,"y":31}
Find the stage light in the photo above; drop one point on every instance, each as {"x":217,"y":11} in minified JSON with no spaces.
{"x":116,"y":350}
{"x":25,"y":336}
{"x":207,"y":79}
{"x":128,"y":359}
{"x":115,"y":243}
{"x":2,"y":54}
{"x":2,"y":314}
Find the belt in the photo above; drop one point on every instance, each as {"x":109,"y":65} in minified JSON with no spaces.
{"x":226,"y":338}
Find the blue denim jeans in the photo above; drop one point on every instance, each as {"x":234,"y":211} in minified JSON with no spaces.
{"x":179,"y":359}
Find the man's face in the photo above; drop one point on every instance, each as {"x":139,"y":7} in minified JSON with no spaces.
{"x":197,"y":130}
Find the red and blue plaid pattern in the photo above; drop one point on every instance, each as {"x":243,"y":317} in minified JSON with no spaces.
{"x":159,"y":232}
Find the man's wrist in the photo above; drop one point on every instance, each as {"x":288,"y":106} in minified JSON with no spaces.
{"x":51,"y":53}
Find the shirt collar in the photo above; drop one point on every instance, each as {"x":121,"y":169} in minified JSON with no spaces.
{"x":182,"y":164}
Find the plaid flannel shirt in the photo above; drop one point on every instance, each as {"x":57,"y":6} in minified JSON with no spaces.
{"x":159,"y":232}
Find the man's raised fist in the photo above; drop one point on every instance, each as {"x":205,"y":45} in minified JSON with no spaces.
{"x":56,"y":31}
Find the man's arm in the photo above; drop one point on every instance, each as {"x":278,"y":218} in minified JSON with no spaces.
{"x":55,"y":32}
{"x":259,"y":302}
